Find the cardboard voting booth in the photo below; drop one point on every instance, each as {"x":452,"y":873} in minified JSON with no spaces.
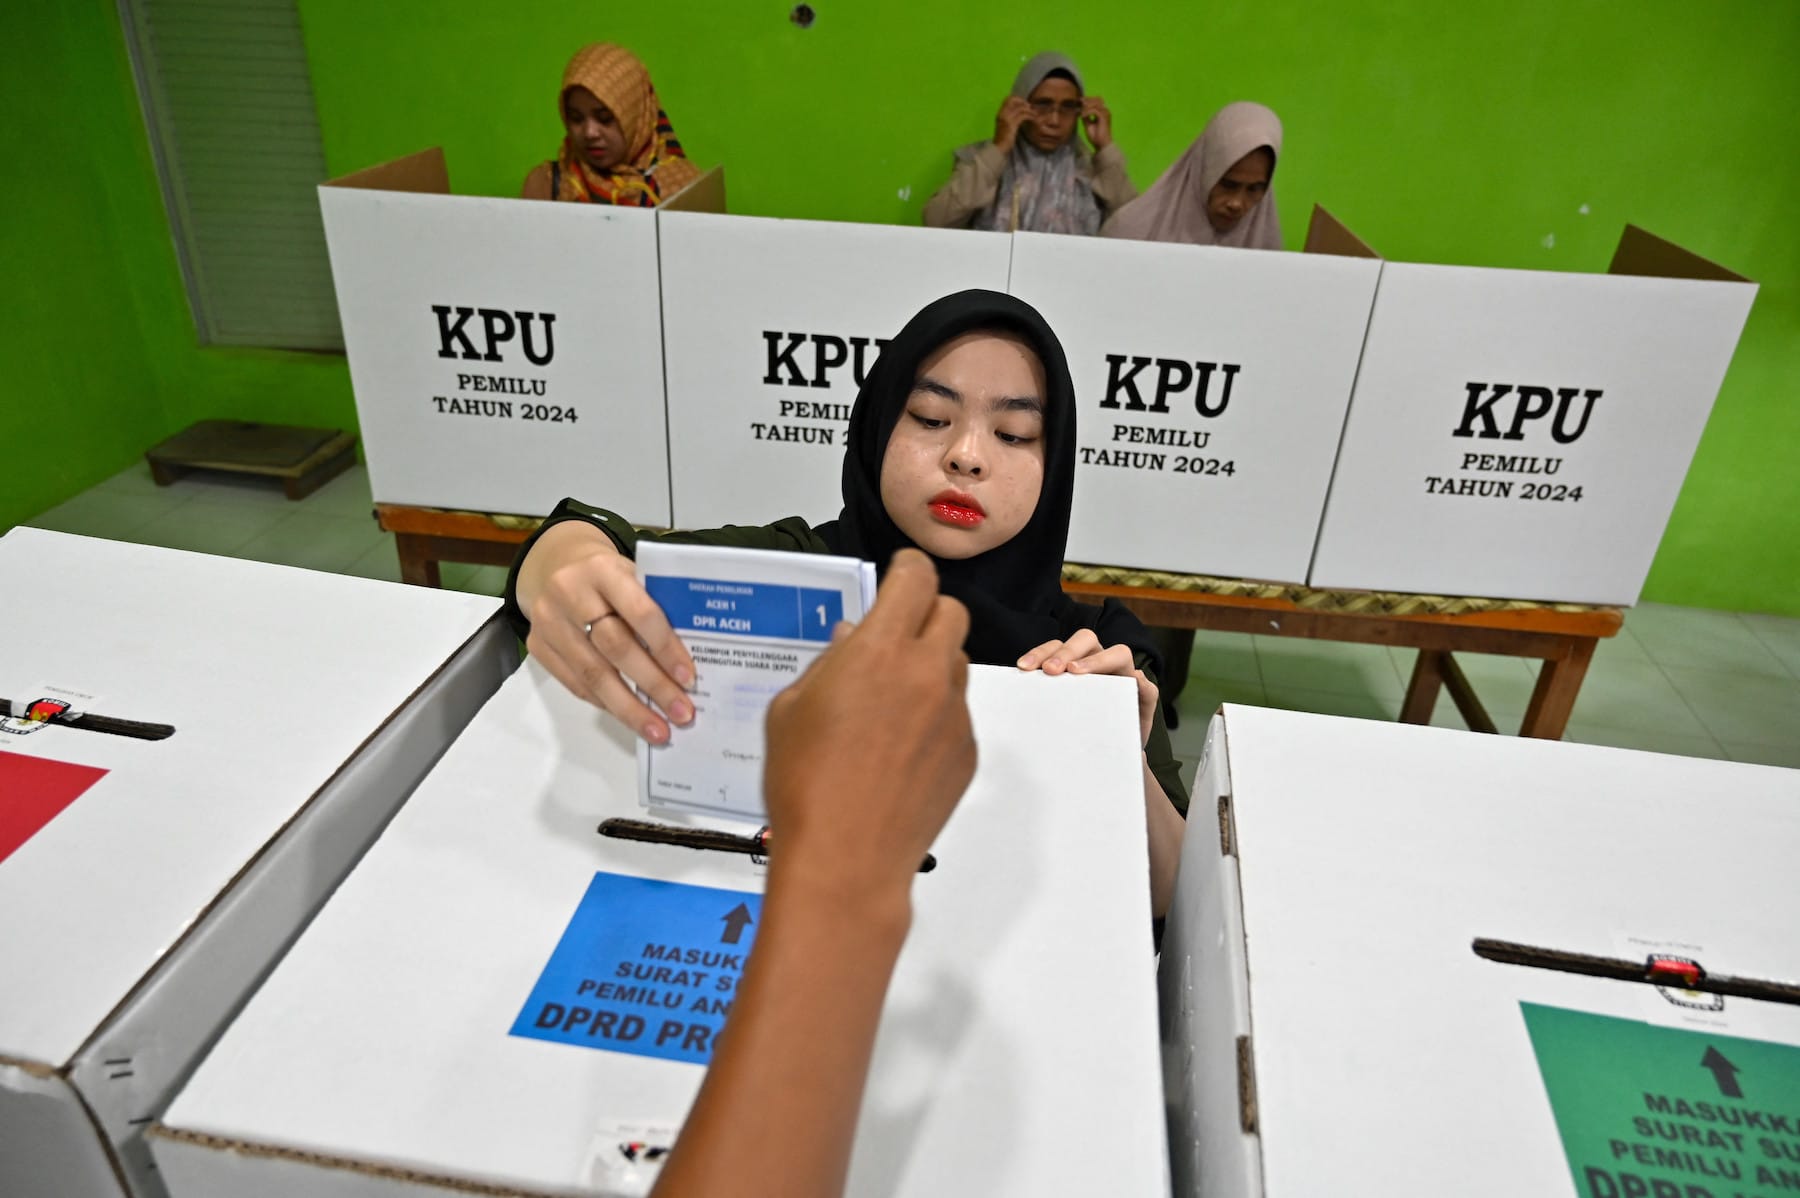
{"x":1212,"y":386}
{"x":1328,"y":1027}
{"x":1525,"y":433}
{"x":504,"y":353}
{"x":496,"y":991}
{"x":769,"y":328}
{"x":196,"y":750}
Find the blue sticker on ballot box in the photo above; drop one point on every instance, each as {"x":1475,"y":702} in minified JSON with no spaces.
{"x":713,"y":605}
{"x":644,"y":967}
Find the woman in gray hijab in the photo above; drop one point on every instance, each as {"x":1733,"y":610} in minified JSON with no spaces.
{"x":1035,"y":175}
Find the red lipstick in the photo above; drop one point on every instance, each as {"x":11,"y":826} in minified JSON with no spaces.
{"x":957,"y":509}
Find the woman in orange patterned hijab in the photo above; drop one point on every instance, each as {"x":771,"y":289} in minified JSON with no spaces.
{"x":618,"y":147}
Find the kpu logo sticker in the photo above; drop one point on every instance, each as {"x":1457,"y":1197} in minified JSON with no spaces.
{"x":1693,"y":1000}
{"x":35,"y":717}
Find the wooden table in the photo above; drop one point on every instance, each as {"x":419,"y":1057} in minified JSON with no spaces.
{"x":425,"y":536}
{"x":1562,"y":636}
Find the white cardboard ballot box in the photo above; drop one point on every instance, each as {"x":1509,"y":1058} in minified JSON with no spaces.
{"x":148,"y":885}
{"x":504,"y":353}
{"x":1329,"y":1029}
{"x":1523,"y":433}
{"x":425,"y":1036}
{"x":1212,"y":386}
{"x":769,"y":326}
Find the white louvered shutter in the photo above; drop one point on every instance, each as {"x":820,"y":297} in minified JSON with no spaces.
{"x":229,"y":106}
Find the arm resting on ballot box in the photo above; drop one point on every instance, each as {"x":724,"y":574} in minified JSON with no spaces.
{"x":1164,"y":813}
{"x":777,"y":1111}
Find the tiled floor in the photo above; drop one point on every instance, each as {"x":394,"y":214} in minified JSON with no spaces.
{"x":331,"y":529}
{"x":1676,"y":680}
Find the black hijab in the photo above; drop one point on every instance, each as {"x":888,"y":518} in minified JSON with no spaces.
{"x":1013,"y":591}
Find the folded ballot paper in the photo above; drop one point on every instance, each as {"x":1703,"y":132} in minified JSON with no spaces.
{"x":752,"y":619}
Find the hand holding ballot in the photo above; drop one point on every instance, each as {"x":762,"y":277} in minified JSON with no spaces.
{"x":871,"y":748}
{"x":602,"y":624}
{"x":868,"y":753}
{"x":598,"y":632}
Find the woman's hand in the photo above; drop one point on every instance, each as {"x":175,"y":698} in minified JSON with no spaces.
{"x":598,"y":632}
{"x":1096,"y":118}
{"x":1013,"y":113}
{"x":1082,"y":654}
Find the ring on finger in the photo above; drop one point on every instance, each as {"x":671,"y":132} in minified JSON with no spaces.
{"x":588,"y":629}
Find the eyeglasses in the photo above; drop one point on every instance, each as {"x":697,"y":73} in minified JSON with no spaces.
{"x":1051,"y":107}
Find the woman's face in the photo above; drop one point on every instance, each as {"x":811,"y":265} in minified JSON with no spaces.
{"x":593,"y":129}
{"x":1242,"y":188}
{"x":1055,"y":112}
{"x":965,"y":463}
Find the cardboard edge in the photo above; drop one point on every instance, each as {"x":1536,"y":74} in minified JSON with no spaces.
{"x":662,"y":357}
{"x":36,"y":1069}
{"x":1641,"y":252}
{"x":1337,"y":458}
{"x":705,"y":194}
{"x":1246,"y":1080}
{"x":163,"y":1139}
{"x":1326,"y":234}
{"x":66,"y":1134}
{"x":226,"y":888}
{"x":1204,"y":996}
{"x":164,"y":1050}
{"x":423,"y":172}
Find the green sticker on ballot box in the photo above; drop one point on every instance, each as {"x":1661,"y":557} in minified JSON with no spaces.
{"x":1661,"y":1112}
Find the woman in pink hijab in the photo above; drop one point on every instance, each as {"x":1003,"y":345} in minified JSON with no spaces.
{"x":1218,"y":192}
{"x":1215,"y":194}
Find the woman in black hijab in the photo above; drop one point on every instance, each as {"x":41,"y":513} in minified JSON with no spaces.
{"x":1013,"y":591}
{"x":961,"y":443}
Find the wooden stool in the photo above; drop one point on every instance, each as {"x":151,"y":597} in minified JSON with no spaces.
{"x":304,"y":459}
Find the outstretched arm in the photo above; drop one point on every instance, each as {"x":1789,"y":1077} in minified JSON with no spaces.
{"x":868,"y":753}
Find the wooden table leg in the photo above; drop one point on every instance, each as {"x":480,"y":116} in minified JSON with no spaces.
{"x":163,"y":474}
{"x":1559,"y":681}
{"x":417,"y":567}
{"x":1422,"y":691}
{"x":1463,"y":695}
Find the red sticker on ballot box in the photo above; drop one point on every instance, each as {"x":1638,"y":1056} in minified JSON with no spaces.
{"x":33,"y":791}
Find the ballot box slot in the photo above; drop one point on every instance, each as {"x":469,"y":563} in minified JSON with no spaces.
{"x":755,"y":846}
{"x":1657,"y":969}
{"x":54,"y":711}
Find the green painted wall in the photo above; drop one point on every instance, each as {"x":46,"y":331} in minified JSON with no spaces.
{"x":100,"y":354}
{"x":78,"y":384}
{"x":1468,"y":133}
